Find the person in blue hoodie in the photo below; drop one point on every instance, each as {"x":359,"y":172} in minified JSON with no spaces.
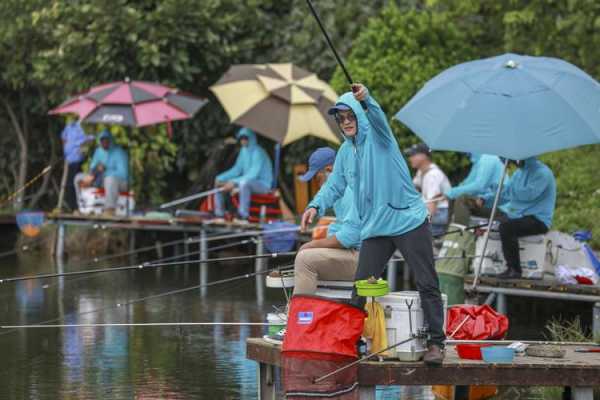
{"x":334,"y":258}
{"x":391,"y":211}
{"x":530,"y":198}
{"x":251,"y":173}
{"x":110,"y":164}
{"x":485,"y":174}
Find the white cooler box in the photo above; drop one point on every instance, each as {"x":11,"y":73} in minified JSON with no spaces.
{"x":92,"y":202}
{"x":533,"y":252}
{"x":402,"y":312}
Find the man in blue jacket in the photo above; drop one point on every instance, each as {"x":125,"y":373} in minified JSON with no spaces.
{"x":251,"y":173}
{"x":485,"y":174}
{"x":530,"y":197}
{"x":392,"y":213}
{"x":335,"y":257}
{"x":111,"y":163}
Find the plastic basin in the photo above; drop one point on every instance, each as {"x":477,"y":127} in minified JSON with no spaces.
{"x":470,"y":351}
{"x":498,"y":354}
{"x":376,"y":289}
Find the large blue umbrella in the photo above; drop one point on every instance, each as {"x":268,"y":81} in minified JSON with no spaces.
{"x":511,"y":105}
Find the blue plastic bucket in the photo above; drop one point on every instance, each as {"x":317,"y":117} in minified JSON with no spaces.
{"x":498,"y":354}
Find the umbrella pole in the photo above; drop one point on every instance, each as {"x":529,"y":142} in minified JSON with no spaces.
{"x":489,"y":227}
{"x":277,"y":162}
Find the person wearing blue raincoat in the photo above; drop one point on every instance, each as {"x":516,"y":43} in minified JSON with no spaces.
{"x":251,"y":173}
{"x":110,"y":164}
{"x":334,"y":258}
{"x":529,"y":200}
{"x":391,"y":211}
{"x":485,"y":174}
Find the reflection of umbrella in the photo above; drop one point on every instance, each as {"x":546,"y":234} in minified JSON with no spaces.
{"x":280,"y":101}
{"x":512,"y":106}
{"x":131,"y":103}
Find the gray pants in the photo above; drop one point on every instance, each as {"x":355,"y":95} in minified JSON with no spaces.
{"x":416,"y":248}
{"x":112,"y":187}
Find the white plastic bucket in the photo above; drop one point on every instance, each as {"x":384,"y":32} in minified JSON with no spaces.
{"x":402,"y":312}
{"x":278,"y":320}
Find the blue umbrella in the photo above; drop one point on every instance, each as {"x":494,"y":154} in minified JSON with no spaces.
{"x":511,"y":105}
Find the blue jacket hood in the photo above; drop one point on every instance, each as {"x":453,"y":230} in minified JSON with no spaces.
{"x":252,"y":163}
{"x":249,"y":133}
{"x":348,"y":99}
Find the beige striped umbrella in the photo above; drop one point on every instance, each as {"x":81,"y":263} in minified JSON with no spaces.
{"x":280,"y":101}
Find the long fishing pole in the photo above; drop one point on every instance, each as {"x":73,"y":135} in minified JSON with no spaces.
{"x":147,"y":265}
{"x":145,"y":324}
{"x":30,"y":182}
{"x":334,"y":51}
{"x":190,"y":198}
{"x":159,"y":295}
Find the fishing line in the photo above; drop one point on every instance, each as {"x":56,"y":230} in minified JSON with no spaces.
{"x":159,"y":295}
{"x":29,"y":182}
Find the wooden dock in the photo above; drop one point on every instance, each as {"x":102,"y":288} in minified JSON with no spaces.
{"x":580,"y":371}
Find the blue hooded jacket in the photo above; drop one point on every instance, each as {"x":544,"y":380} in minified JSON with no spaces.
{"x":531,"y":191}
{"x":252,"y":163}
{"x":115,"y":159}
{"x":371,"y":164}
{"x":485,"y":174}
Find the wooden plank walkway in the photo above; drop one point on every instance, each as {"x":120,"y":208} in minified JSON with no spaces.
{"x":545,"y":285}
{"x":579,"y":370}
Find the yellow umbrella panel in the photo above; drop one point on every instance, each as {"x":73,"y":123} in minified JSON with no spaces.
{"x":280,"y":101}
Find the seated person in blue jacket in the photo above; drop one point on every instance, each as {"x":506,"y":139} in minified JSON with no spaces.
{"x":391,"y":211}
{"x":484,"y":175}
{"x":530,"y":196}
{"x":110,"y":164}
{"x":251,"y":173}
{"x":335,"y":257}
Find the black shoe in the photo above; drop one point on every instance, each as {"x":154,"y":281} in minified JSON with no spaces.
{"x":434,"y":356}
{"x":509,"y":274}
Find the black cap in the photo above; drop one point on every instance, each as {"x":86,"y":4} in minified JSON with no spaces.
{"x":421,"y":148}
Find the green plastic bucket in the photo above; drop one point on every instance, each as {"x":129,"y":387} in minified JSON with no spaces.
{"x":453,"y":287}
{"x":376,"y":289}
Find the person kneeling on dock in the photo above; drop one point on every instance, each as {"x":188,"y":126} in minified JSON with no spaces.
{"x":109,"y":168}
{"x":334,"y":258}
{"x":251,"y":173}
{"x":530,"y":197}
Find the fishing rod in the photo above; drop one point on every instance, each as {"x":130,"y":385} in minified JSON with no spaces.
{"x":30,"y":182}
{"x":146,"y":324}
{"x":152,"y":297}
{"x":147,"y":265}
{"x":335,"y":53}
{"x":190,"y":198}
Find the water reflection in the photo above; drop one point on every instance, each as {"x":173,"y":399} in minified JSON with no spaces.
{"x":133,"y":362}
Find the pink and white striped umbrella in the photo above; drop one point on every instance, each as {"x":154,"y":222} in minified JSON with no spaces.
{"x":131,"y":103}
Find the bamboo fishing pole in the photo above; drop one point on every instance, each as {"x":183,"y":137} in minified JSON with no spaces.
{"x":27,"y":184}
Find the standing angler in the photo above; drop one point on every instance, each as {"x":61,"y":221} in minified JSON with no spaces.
{"x":391,"y":211}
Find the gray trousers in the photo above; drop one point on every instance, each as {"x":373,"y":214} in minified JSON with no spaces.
{"x":417,"y":249}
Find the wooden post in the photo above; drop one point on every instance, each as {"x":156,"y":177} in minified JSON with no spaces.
{"x":596,"y":322}
{"x":259,"y":266}
{"x":366,"y":392}
{"x":266,"y":383}
{"x":60,"y":243}
{"x":501,"y":303}
{"x":203,"y":266}
{"x":582,"y":393}
{"x":300,"y":188}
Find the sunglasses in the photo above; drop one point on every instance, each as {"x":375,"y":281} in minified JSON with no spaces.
{"x":341,"y":118}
